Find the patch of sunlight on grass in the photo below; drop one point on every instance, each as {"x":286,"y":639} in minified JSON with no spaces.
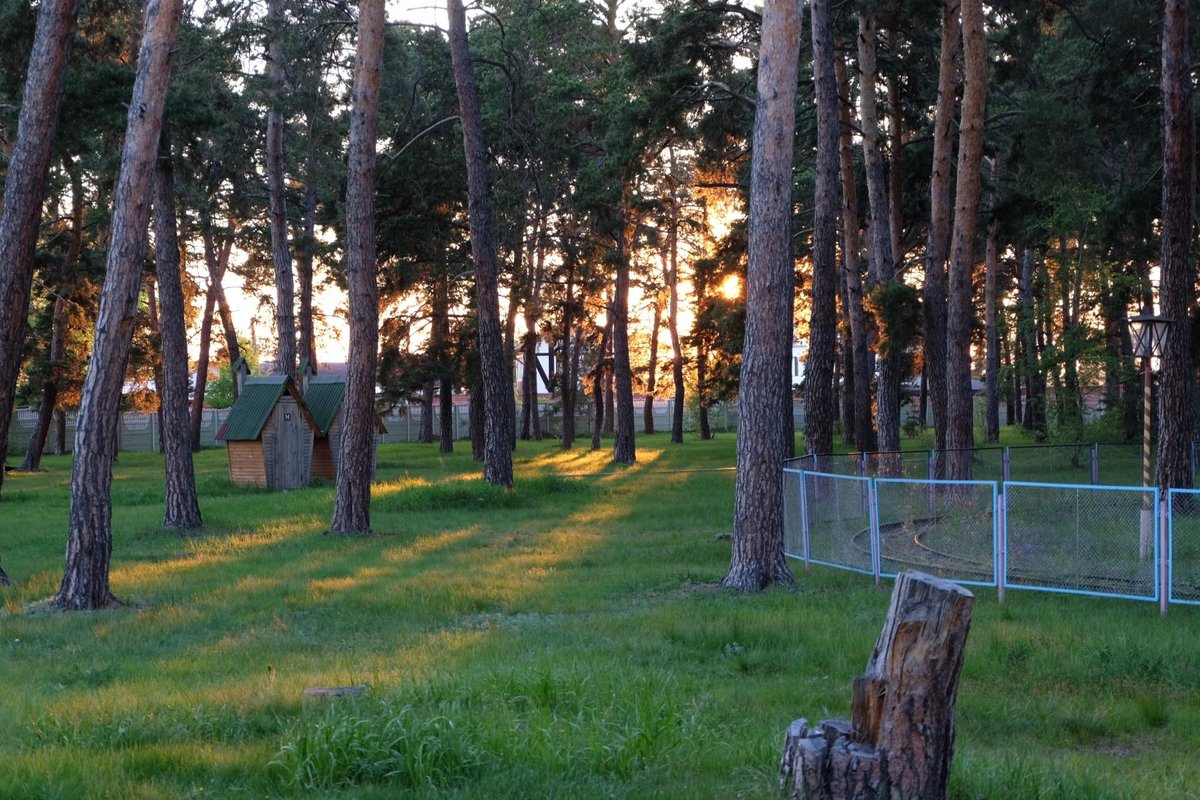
{"x":380,"y":490}
{"x":320,"y":588}
{"x":426,"y":545}
{"x":586,"y":462}
{"x":263,"y":535}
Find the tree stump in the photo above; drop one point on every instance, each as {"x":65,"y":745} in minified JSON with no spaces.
{"x":900,"y":740}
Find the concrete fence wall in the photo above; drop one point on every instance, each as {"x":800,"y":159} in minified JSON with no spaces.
{"x":142,"y":432}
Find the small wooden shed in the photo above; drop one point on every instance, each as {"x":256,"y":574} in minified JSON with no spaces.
{"x":324,"y":396}
{"x":269,"y":435}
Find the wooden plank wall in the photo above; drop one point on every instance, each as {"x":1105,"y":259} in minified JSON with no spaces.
{"x":247,"y":467}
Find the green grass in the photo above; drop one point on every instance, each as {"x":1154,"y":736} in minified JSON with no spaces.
{"x":565,"y":640}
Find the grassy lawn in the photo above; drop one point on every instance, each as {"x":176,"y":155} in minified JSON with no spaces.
{"x":563,"y":640}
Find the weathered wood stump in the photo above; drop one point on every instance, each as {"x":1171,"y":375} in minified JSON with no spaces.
{"x":900,"y":740}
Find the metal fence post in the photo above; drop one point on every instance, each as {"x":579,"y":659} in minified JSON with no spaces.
{"x":1006,"y":464}
{"x":876,"y":544}
{"x":1095,"y":464}
{"x":1001,"y":544}
{"x":1163,"y":554}
{"x":804,"y":534}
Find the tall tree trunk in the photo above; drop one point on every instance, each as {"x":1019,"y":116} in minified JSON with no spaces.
{"x":41,"y":429}
{"x":441,"y":333}
{"x":937,"y":245}
{"x":624,"y":446}
{"x":1035,"y":401}
{"x":446,"y":416}
{"x":281,"y":256}
{"x":89,"y":546}
{"x":757,"y":559}
{"x":652,"y":370}
{"x":672,"y":281}
{"x":182,"y":508}
{"x":352,"y":499}
{"x":425,"y":432}
{"x":864,"y":363}
{"x":820,"y":401}
{"x":1176,"y":424}
{"x":960,"y":430}
{"x":498,"y":426}
{"x":570,"y":361}
{"x":849,"y":414}
{"x":895,"y":163}
{"x":304,"y":268}
{"x":879,"y":247}
{"x":25,"y":188}
{"x":475,"y":412}
{"x":58,"y":334}
{"x":610,"y":402}
{"x":700,"y":289}
{"x":196,"y":415}
{"x":156,"y":352}
{"x":598,"y":375}
{"x":991,"y":262}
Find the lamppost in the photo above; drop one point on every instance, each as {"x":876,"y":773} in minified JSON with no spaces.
{"x":1149,"y":334}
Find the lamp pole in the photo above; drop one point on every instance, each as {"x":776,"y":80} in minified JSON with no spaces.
{"x":1147,"y":537}
{"x":1148,"y":333}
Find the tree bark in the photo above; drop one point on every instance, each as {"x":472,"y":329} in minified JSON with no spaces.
{"x":281,"y":256}
{"x":441,"y":334}
{"x":202,"y":361}
{"x":900,"y":740}
{"x":89,"y":546}
{"x":879,"y":240}
{"x":304,"y":269}
{"x":991,"y":262}
{"x":938,"y":241}
{"x":352,"y":499}
{"x":425,"y":432}
{"x":498,"y":426}
{"x":598,"y":375}
{"x":1176,"y":427}
{"x":757,"y":560}
{"x":182,"y":508}
{"x":820,"y":401}
{"x":1035,"y":402}
{"x":571,"y":344}
{"x":652,"y":370}
{"x":672,"y":281}
{"x":25,"y":188}
{"x":960,"y":422}
{"x":864,"y":363}
{"x":41,"y":430}
{"x":58,"y":335}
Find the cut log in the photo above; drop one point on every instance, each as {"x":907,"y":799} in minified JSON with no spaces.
{"x":900,"y":740}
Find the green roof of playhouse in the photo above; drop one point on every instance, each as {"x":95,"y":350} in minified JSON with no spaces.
{"x":254,"y":405}
{"x":323,"y":396}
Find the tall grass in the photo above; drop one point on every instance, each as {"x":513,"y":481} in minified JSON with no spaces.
{"x":562,"y":639}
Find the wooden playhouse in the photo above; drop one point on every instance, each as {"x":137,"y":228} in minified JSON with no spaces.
{"x":324,"y":396}
{"x":269,"y":435}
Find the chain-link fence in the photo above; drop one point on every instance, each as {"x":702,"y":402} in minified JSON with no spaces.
{"x":1184,"y":545}
{"x":1082,"y":539}
{"x":838,"y":510}
{"x":1105,"y":541}
{"x":945,"y":528}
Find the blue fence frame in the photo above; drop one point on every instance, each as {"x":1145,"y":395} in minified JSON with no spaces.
{"x":1106,"y":546}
